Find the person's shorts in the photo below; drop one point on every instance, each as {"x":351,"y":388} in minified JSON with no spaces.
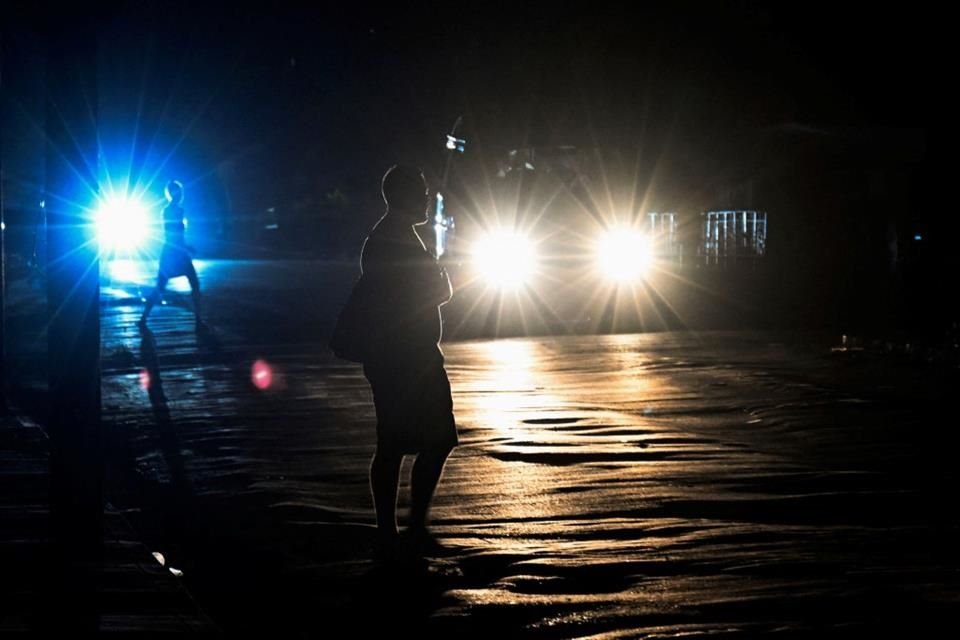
{"x":414,"y":407}
{"x":174,"y":262}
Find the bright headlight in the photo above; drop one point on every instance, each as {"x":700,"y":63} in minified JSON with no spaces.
{"x":624,"y":255}
{"x":505,"y":259}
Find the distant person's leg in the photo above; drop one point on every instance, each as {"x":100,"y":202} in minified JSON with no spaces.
{"x":191,"y":274}
{"x":153,"y":298}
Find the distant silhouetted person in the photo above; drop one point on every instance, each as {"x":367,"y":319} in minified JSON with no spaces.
{"x":174,"y":258}
{"x":404,"y":363}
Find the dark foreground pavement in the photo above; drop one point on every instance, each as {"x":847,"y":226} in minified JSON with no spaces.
{"x":46,"y":594}
{"x":650,"y":485}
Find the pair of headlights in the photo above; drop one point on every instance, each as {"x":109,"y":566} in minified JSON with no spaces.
{"x":509,"y":260}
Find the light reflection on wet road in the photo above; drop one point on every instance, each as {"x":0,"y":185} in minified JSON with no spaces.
{"x":606,"y":486}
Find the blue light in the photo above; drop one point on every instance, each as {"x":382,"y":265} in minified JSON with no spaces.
{"x":122,"y":222}
{"x":438,"y":217}
{"x":918,"y":237}
{"x":456,"y":144}
{"x":443,"y":226}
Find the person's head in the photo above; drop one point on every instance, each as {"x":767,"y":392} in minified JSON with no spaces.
{"x":174,"y":192}
{"x":405,"y":192}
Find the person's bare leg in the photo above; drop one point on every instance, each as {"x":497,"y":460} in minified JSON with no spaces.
{"x":195,"y":294}
{"x":152,"y":300}
{"x":384,"y":482}
{"x":423,"y":483}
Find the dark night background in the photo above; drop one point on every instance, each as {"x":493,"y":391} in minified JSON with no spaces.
{"x":816,"y":113}
{"x":762,"y":476}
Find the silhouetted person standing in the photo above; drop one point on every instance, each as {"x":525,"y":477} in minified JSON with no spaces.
{"x":174,"y":258}
{"x":404,"y":364}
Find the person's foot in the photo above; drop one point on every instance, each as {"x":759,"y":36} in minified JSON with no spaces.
{"x":386,"y":547}
{"x":418,"y":540}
